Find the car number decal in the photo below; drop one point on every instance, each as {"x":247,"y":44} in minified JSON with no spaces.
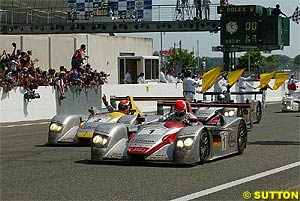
{"x":223,"y":135}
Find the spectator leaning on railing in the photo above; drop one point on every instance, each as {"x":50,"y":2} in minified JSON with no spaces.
{"x":18,"y":69}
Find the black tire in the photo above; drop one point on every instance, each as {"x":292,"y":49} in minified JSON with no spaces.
{"x":242,"y":137}
{"x":258,"y":112}
{"x":204,"y":146}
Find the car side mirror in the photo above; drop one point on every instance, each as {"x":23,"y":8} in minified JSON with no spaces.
{"x":221,"y":120}
{"x":132,"y":111}
{"x":141,"y":119}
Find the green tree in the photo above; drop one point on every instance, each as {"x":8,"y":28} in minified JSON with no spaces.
{"x":256,"y":59}
{"x":183,"y":58}
{"x":259,"y":63}
{"x":297,"y":61}
{"x":155,"y":53}
{"x":271,"y":63}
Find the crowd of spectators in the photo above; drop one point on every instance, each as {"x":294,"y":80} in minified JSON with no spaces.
{"x":20,"y":69}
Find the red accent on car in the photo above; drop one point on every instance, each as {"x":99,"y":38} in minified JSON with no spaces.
{"x":173,"y":124}
{"x":131,"y":135}
{"x":214,"y":120}
{"x":137,"y":150}
{"x":168,"y":139}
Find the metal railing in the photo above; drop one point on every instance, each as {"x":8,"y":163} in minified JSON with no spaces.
{"x":59,"y":15}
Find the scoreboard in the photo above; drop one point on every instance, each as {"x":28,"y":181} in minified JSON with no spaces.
{"x":252,"y":25}
{"x":240,"y":31}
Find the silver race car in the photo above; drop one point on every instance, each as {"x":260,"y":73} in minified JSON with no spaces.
{"x":291,"y":103}
{"x":79,"y":129}
{"x":171,"y":141}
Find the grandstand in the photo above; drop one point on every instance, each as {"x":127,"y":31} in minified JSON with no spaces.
{"x":33,"y":11}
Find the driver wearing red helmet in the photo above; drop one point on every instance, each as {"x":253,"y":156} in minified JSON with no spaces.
{"x":181,"y":114}
{"x":124,"y":106}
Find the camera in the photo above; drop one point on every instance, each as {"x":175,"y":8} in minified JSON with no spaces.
{"x":31,"y":95}
{"x":14,"y":44}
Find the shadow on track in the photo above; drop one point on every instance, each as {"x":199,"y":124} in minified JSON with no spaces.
{"x":133,"y":163}
{"x":274,"y":143}
{"x":158,"y":164}
{"x":63,"y":145}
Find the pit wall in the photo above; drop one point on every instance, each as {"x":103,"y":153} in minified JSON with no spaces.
{"x":13,"y":107}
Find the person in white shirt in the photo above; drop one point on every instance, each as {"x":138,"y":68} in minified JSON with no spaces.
{"x":141,"y":79}
{"x":171,"y":77}
{"x":243,"y":85}
{"x":189,"y":86}
{"x":128,"y":77}
{"x":162,"y":77}
{"x":221,"y":86}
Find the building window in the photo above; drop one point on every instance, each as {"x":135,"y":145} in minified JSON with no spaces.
{"x":151,"y":69}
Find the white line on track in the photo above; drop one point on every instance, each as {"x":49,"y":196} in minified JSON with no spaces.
{"x":18,"y":125}
{"x":236,"y":182}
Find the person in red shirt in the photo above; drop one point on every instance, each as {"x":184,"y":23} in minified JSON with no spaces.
{"x":264,"y":94}
{"x":79,"y":57}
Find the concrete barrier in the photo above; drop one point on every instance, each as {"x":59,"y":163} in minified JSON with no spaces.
{"x":14,"y":108}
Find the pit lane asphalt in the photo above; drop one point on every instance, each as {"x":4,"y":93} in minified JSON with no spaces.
{"x":32,"y":171}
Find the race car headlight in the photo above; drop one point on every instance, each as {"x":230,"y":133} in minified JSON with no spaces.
{"x":55,"y":127}
{"x":82,"y":124}
{"x":288,"y":107}
{"x":100,"y":140}
{"x":180,"y":143}
{"x":186,"y":142}
{"x":229,"y":113}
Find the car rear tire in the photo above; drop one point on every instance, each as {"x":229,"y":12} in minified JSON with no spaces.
{"x":258,"y":112}
{"x":242,"y":137}
{"x":204,"y":146}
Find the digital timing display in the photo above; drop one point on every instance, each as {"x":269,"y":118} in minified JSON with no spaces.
{"x":240,"y":31}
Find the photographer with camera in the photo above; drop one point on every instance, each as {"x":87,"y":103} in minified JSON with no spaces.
{"x":29,"y":85}
{"x":103,"y":77}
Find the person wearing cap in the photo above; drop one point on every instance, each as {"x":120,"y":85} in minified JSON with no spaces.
{"x":79,"y":57}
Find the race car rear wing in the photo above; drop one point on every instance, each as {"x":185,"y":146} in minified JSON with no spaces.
{"x":227,"y":105}
{"x":246,"y":108}
{"x":114,"y":98}
{"x":234,"y":93}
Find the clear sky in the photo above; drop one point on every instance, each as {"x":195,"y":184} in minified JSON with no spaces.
{"x":207,"y":40}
